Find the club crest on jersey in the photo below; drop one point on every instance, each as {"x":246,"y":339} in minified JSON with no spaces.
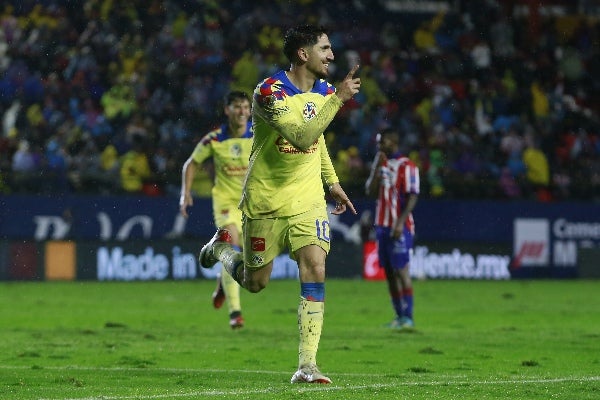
{"x":309,"y":111}
{"x":235,"y":150}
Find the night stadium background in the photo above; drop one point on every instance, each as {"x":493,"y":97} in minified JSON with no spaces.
{"x":497,"y":102}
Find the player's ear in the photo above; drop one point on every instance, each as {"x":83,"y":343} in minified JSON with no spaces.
{"x":302,"y":54}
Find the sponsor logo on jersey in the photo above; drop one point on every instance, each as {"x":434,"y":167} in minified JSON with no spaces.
{"x":235,"y":170}
{"x":285,"y":147}
{"x":257,"y":244}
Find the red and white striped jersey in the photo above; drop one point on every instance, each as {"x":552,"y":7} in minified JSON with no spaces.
{"x":399,"y":178}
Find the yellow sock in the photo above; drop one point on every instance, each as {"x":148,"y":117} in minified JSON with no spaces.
{"x":232,"y":291}
{"x":310,"y":324}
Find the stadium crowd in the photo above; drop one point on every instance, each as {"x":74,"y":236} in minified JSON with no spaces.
{"x":100,"y":96}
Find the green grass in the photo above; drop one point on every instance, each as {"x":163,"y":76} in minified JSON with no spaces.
{"x":163,"y":340}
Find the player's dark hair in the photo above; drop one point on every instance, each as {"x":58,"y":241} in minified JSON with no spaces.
{"x":391,"y":133}
{"x":235,"y":95}
{"x":300,"y":36}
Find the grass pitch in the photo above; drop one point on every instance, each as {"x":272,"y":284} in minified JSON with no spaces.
{"x":163,"y":340}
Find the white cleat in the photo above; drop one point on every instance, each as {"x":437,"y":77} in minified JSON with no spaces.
{"x":207,"y":258}
{"x":309,"y":374}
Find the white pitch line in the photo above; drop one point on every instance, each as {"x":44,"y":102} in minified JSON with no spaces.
{"x":330,"y":388}
{"x":311,"y":388}
{"x":452,"y":381}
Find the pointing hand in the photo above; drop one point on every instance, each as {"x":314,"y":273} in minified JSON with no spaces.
{"x":349,"y":86}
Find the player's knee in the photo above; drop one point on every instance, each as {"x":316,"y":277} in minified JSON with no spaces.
{"x":255,"y":286}
{"x":257,"y":281}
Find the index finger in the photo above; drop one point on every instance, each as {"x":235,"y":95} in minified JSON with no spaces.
{"x":349,"y":204}
{"x":352,"y":72}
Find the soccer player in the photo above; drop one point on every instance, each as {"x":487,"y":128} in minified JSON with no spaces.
{"x":396,"y":180}
{"x":283,"y":200}
{"x":229,"y":146}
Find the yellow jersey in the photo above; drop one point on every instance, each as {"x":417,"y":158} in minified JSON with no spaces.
{"x":289,"y":162}
{"x":231,"y":157}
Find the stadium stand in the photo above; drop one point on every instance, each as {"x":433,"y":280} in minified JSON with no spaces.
{"x":495,"y":99}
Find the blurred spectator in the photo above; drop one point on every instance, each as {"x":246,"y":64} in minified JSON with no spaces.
{"x":109,"y":159}
{"x":246,"y":73}
{"x":424,"y":35}
{"x":508,"y":184}
{"x":93,"y":71}
{"x":135,"y":167}
{"x":23,"y":159}
{"x":119,"y":101}
{"x":539,"y":101}
{"x":561,"y":181}
{"x":4,"y":57}
{"x":481,"y":57}
{"x":350,"y":166}
{"x":537,"y":169}
{"x":57,"y":163}
{"x":516,"y":166}
{"x":436,"y":172}
{"x":26,"y":169}
{"x":369,"y":88}
{"x":9,"y":119}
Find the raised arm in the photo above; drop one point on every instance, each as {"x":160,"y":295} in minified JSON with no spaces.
{"x":272,"y":106}
{"x":372,"y":184}
{"x":292,"y":126}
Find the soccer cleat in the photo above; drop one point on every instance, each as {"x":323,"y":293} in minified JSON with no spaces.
{"x":407,"y":323}
{"x":207,"y":258}
{"x":309,"y":374}
{"x":236,"y":321}
{"x":395,"y":324}
{"x":218,"y":296}
{"x":403,"y":323}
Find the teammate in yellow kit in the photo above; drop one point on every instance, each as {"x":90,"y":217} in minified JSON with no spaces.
{"x":283,"y":200}
{"x":229,"y":146}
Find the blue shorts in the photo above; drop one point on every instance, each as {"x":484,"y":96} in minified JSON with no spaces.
{"x":393,"y":253}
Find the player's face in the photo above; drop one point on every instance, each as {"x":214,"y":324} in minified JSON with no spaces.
{"x":385,"y":144}
{"x":238,"y":112}
{"x":319,"y":57}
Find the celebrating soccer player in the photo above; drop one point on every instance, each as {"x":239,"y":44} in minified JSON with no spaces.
{"x":283,"y":200}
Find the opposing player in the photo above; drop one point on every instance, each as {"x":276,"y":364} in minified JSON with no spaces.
{"x":229,"y":146}
{"x":283,"y":200}
{"x":395,"y":179}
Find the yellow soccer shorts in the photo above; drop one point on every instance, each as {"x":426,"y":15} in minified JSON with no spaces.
{"x":265,"y":239}
{"x":225,"y":214}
